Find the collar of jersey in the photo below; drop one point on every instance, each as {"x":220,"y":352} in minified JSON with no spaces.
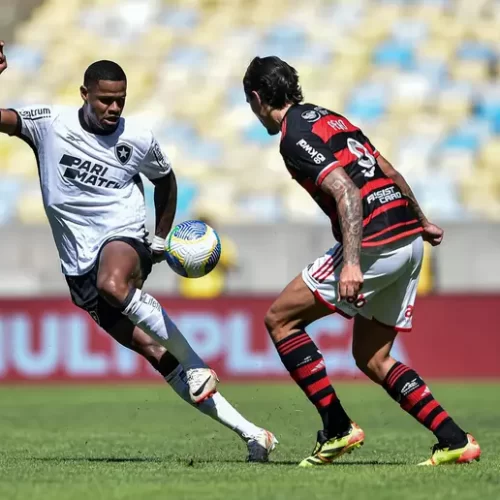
{"x":283,"y":121}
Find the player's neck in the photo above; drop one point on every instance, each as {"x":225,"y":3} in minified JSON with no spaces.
{"x":278,"y":115}
{"x":90,"y":124}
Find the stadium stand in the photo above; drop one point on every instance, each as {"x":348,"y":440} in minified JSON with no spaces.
{"x":420,"y":76}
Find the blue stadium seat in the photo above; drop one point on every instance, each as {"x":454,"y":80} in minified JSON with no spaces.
{"x":263,"y":207}
{"x":469,"y":135}
{"x":460,"y":139}
{"x":187,"y":193}
{"x":179,"y":18}
{"x":235,"y":96}
{"x":439,"y":196}
{"x":257,"y":134}
{"x":204,"y":150}
{"x":9,"y":193}
{"x":188,"y":56}
{"x":24,"y":58}
{"x":474,"y":50}
{"x":393,"y":53}
{"x":487,"y":106}
{"x":435,"y":71}
{"x":368,"y":102}
{"x":411,"y":31}
{"x":284,"y":41}
{"x":178,"y":132}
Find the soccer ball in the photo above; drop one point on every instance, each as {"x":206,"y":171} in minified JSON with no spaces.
{"x":192,"y":249}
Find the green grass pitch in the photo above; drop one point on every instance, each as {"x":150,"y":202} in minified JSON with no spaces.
{"x":135,"y":442}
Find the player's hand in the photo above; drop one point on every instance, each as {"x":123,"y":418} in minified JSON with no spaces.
{"x":351,"y":282}
{"x":158,"y":249}
{"x":3,"y":59}
{"x":432,"y":234}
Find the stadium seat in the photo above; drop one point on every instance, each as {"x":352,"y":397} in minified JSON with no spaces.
{"x":394,"y":53}
{"x":420,"y":77}
{"x":30,"y":207}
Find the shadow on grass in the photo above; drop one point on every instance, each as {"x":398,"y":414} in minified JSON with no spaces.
{"x":295,"y":463}
{"x":193,"y":462}
{"x":339,"y":464}
{"x":109,"y":460}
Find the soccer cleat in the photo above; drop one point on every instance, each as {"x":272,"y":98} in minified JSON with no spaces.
{"x":202,"y":384}
{"x":444,"y":456}
{"x":329,"y":449}
{"x":260,"y":446}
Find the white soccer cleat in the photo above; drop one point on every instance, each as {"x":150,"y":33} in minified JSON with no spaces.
{"x":202,"y":384}
{"x":261,"y":446}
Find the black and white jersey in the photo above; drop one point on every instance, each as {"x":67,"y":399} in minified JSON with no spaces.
{"x":90,"y":183}
{"x":314,"y":142}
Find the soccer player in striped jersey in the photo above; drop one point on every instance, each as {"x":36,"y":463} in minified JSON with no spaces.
{"x":370,"y":275}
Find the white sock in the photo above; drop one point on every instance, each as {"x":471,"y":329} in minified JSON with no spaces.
{"x":216,"y":407}
{"x":146,"y":312}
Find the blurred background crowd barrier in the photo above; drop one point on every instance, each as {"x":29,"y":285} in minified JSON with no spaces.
{"x":421,"y":77}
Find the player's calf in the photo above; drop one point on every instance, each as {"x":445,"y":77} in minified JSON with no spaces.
{"x":372,"y":344}
{"x":285,"y":321}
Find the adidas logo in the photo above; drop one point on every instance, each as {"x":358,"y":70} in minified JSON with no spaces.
{"x":319,"y":366}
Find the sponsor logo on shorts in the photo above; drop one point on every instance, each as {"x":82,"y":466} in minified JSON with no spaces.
{"x":384,"y":195}
{"x":315,"y":155}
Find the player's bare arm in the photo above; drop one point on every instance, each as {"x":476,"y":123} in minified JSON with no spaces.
{"x":165,"y":198}
{"x":350,"y":209}
{"x":432,"y":233}
{"x":8,"y":118}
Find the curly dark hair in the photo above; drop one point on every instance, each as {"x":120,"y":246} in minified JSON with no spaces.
{"x":276,"y":82}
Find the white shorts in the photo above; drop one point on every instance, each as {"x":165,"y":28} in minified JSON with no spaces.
{"x":390,"y":282}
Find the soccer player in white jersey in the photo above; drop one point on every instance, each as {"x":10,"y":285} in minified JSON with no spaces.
{"x":89,"y":161}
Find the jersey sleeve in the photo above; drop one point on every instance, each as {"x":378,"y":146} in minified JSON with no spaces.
{"x":156,"y":163}
{"x":33,"y":123}
{"x":307,"y":153}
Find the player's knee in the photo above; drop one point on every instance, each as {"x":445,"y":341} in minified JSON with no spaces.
{"x":276,"y":324}
{"x":112,"y":288}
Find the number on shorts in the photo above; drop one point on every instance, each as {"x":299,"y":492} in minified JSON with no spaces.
{"x":409,"y":312}
{"x":365,"y":159}
{"x":359,"y":302}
